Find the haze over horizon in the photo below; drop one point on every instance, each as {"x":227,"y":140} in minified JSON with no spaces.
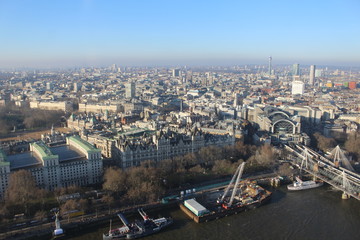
{"x":69,"y":33}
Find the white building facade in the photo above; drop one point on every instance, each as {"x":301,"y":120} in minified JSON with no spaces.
{"x":298,"y":87}
{"x":77,"y":163}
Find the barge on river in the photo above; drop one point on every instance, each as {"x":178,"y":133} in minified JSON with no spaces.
{"x":137,"y":229}
{"x":245,"y":195}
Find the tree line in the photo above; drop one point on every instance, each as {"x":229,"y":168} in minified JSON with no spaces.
{"x":351,"y":143}
{"x":149,"y":181}
{"x":26,"y":118}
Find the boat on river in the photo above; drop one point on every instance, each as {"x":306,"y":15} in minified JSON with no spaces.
{"x":245,"y":194}
{"x":303,"y":185}
{"x":137,"y":229}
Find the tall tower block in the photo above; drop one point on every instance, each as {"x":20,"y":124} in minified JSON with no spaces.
{"x":296,"y":69}
{"x":130,"y":90}
{"x":312,"y":75}
{"x":176,"y":72}
{"x":270,"y":59}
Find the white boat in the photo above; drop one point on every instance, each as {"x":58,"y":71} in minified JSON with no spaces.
{"x":302,"y":185}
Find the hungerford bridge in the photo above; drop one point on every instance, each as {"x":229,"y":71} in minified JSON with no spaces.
{"x":334,"y":169}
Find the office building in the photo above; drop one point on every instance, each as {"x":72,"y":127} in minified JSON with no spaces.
{"x":4,"y":173}
{"x":165,"y":145}
{"x":312,"y":75}
{"x":130,"y":90}
{"x":65,"y":106}
{"x":269,"y":70}
{"x":318,"y":73}
{"x":352,"y":85}
{"x":296,"y":69}
{"x":49,"y":86}
{"x":297,"y":88}
{"x":176,"y":72}
{"x":77,"y":87}
{"x":77,"y":163}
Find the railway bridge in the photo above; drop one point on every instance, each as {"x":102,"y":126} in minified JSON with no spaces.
{"x":334,"y":169}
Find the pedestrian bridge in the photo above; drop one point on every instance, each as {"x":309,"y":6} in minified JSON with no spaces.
{"x":334,"y":169}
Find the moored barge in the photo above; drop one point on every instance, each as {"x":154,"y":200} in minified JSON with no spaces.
{"x":245,"y":195}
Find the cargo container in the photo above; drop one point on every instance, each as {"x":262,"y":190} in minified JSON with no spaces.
{"x":195,"y":207}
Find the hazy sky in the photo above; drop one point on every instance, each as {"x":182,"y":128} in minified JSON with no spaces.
{"x":36,"y":33}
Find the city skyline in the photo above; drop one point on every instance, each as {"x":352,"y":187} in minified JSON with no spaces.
{"x":85,"y":33}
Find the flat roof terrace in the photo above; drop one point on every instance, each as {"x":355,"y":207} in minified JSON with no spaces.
{"x":67,"y":153}
{"x":23,"y":160}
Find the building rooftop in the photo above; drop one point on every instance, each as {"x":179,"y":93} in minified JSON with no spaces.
{"x":85,"y":145}
{"x":67,"y":153}
{"x":135,"y":132}
{"x":23,"y":160}
{"x":43,"y":150}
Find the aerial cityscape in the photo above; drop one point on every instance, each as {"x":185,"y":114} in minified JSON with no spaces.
{"x":189,"y":112}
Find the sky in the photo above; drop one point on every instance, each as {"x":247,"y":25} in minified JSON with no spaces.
{"x":65,"y":33}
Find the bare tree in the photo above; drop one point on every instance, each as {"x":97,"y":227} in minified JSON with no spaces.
{"x":22,"y":189}
{"x":144,"y":184}
{"x":83,"y":205}
{"x":324,"y":143}
{"x":114,"y":180}
{"x":285,"y":170}
{"x":223,"y":167}
{"x":4,"y":213}
{"x":42,"y":195}
{"x":352,"y":145}
{"x":68,"y":206}
{"x":40,"y":215}
{"x":4,"y":127}
{"x":265,"y":156}
{"x":109,"y":200}
{"x":209,"y":154}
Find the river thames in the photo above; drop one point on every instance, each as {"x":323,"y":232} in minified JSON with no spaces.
{"x":311,"y":214}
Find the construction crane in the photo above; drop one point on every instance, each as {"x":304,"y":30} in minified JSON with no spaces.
{"x":123,"y":219}
{"x":237,"y":176}
{"x":143,"y":214}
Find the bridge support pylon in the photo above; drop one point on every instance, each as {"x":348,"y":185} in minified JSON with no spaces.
{"x":345,"y":196}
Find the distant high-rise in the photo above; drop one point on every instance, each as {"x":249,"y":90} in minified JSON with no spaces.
{"x":296,"y":69}
{"x":269,"y":70}
{"x":49,"y":86}
{"x":130,"y":90}
{"x":113,"y":68}
{"x":181,"y":105}
{"x":176,"y":72}
{"x":318,"y":72}
{"x":77,"y":87}
{"x":312,"y":75}
{"x":236,"y":100}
